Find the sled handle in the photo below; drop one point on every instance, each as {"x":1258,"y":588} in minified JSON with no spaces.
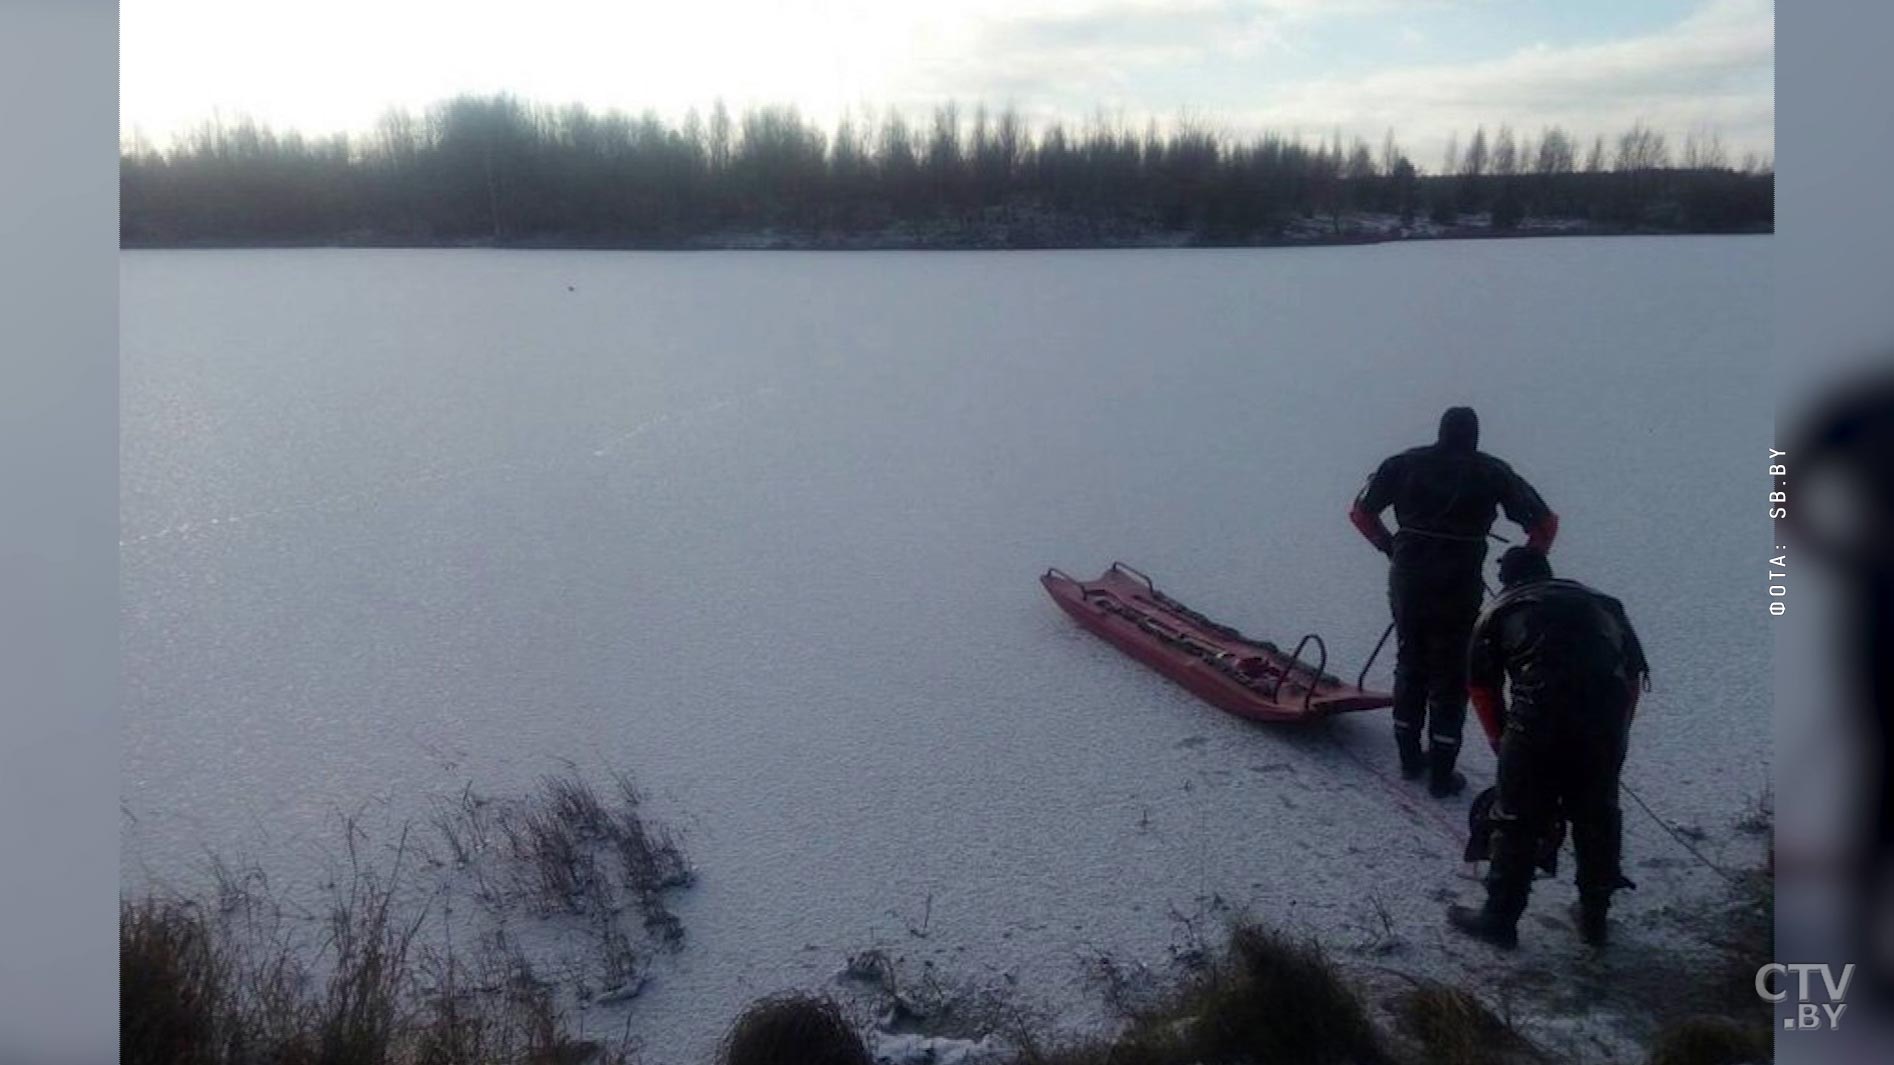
{"x":1134,"y":573}
{"x":1295,"y":659}
{"x":1372,"y":655}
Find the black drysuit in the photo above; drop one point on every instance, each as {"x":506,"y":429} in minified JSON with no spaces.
{"x":1445,"y":497}
{"x":1574,"y":667}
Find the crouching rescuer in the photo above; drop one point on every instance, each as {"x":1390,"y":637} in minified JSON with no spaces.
{"x":1445,"y":498}
{"x":1575,"y":669}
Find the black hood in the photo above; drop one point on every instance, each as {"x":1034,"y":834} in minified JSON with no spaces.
{"x":1460,"y":429}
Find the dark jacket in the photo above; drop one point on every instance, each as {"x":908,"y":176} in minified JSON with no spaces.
{"x":1446,"y":496}
{"x":1568,"y":653}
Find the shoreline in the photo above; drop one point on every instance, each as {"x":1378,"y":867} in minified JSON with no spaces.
{"x":887,"y":241}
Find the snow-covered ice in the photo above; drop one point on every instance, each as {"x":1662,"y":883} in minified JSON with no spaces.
{"x":763,"y":529}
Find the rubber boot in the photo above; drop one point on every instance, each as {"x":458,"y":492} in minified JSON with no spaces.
{"x":1446,"y":787}
{"x":1413,"y":759}
{"x":1592,"y":915}
{"x":1442,"y":781}
{"x":1485,"y":924}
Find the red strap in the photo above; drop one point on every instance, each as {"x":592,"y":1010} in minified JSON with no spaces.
{"x":1541,"y":535}
{"x":1370,"y":527}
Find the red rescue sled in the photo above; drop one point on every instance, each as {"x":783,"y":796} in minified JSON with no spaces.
{"x":1228,"y":670}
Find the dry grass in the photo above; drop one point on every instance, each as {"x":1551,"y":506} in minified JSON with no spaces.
{"x":172,"y":985}
{"x":566,"y":852}
{"x":565,"y":849}
{"x":1746,"y":941}
{"x":1737,"y":1025}
{"x":1455,"y":1028}
{"x":1265,"y":998}
{"x":373,"y":974}
{"x":908,"y":998}
{"x":196,"y":989}
{"x":1739,"y":927}
{"x":1712,"y":1041}
{"x":229,"y":979}
{"x":1274,"y":999}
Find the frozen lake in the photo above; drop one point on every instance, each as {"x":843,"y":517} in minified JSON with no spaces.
{"x":764,"y":529}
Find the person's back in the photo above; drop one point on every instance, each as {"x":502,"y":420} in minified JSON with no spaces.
{"x":1450,"y":491}
{"x":1444,"y":493}
{"x":1574,"y":667}
{"x":1566,"y":650}
{"x":1445,"y":497}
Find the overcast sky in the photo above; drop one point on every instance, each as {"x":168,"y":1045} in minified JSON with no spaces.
{"x":1310,"y":67}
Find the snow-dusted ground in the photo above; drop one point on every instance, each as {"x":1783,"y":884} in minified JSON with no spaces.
{"x":764,"y":529}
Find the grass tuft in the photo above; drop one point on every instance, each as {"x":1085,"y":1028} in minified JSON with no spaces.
{"x":1266,"y":998}
{"x":1710,"y":1040}
{"x":242,"y":977}
{"x":172,"y":983}
{"x":1455,"y":1028}
{"x":1276,"y":999}
{"x":194,"y":991}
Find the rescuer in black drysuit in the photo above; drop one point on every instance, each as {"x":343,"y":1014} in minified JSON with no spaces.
{"x":1575,"y":668}
{"x":1444,"y":496}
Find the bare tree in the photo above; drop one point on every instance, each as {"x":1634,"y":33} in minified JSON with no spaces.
{"x":944,"y":156}
{"x":397,"y":137}
{"x":848,"y":159}
{"x":1595,"y":159}
{"x":1556,"y":152}
{"x":1360,"y":163}
{"x":693,"y":149}
{"x":1010,"y":141}
{"x":720,"y":138}
{"x":1703,"y":150}
{"x":897,"y":159}
{"x":1505,"y":153}
{"x":1640,"y":148}
{"x":1478,"y":157}
{"x":981,"y":149}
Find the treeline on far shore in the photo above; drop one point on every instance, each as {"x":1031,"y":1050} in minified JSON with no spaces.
{"x":497,"y":170}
